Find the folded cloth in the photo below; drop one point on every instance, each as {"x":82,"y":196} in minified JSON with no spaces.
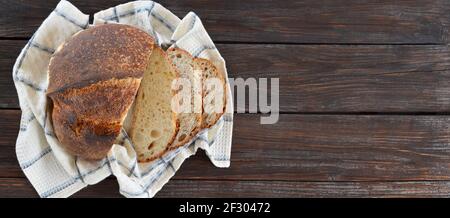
{"x":55,"y":173}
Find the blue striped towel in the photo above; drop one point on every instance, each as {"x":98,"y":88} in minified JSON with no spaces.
{"x":55,"y":173}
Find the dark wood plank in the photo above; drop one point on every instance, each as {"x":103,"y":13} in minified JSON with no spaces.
{"x":327,"y":78}
{"x":243,"y":189}
{"x":19,"y":187}
{"x":309,"y":148}
{"x":9,"y":122}
{"x":335,"y":148}
{"x":9,"y":51}
{"x":308,"y":21}
{"x":349,"y":78}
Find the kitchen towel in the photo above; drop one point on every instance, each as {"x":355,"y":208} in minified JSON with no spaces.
{"x":55,"y":173}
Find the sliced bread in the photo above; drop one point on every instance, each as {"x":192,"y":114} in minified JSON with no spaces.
{"x":93,"y":79}
{"x":214,"y":92}
{"x":154,"y":125}
{"x":190,"y":119}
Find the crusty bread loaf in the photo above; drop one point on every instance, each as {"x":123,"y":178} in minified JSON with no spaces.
{"x":154,"y":124}
{"x":190,"y":122}
{"x":214,"y":98}
{"x":93,"y":80}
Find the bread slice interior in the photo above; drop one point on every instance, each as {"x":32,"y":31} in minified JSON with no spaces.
{"x":154,"y":125}
{"x":190,"y":120}
{"x":214,"y":92}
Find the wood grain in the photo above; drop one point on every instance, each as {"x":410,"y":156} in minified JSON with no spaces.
{"x":9,"y":51}
{"x":364,"y":78}
{"x":310,"y":148}
{"x":322,"y":78}
{"x":9,"y":122}
{"x":364,"y":92}
{"x":19,"y":187}
{"x":307,"y":21}
{"x":242,"y":189}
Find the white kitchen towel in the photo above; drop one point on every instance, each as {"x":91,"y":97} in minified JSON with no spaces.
{"x":55,"y":173}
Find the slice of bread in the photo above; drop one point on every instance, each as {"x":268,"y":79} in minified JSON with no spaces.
{"x":190,"y":119}
{"x":154,"y":125}
{"x":214,"y":98}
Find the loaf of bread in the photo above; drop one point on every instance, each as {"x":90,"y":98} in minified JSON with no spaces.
{"x":190,"y":119}
{"x":154,"y":124}
{"x":214,"y":92}
{"x":93,"y":80}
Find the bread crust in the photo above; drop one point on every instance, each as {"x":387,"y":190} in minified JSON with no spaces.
{"x":221,"y":76}
{"x":198,"y":116}
{"x":93,"y":80}
{"x":98,"y":54}
{"x":90,"y":131}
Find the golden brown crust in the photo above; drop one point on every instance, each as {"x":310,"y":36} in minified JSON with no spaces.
{"x":93,"y":80}
{"x":89,"y":131}
{"x":176,"y":49}
{"x":98,"y":54}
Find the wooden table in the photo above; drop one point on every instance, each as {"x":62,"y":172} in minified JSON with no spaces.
{"x":364,"y":98}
